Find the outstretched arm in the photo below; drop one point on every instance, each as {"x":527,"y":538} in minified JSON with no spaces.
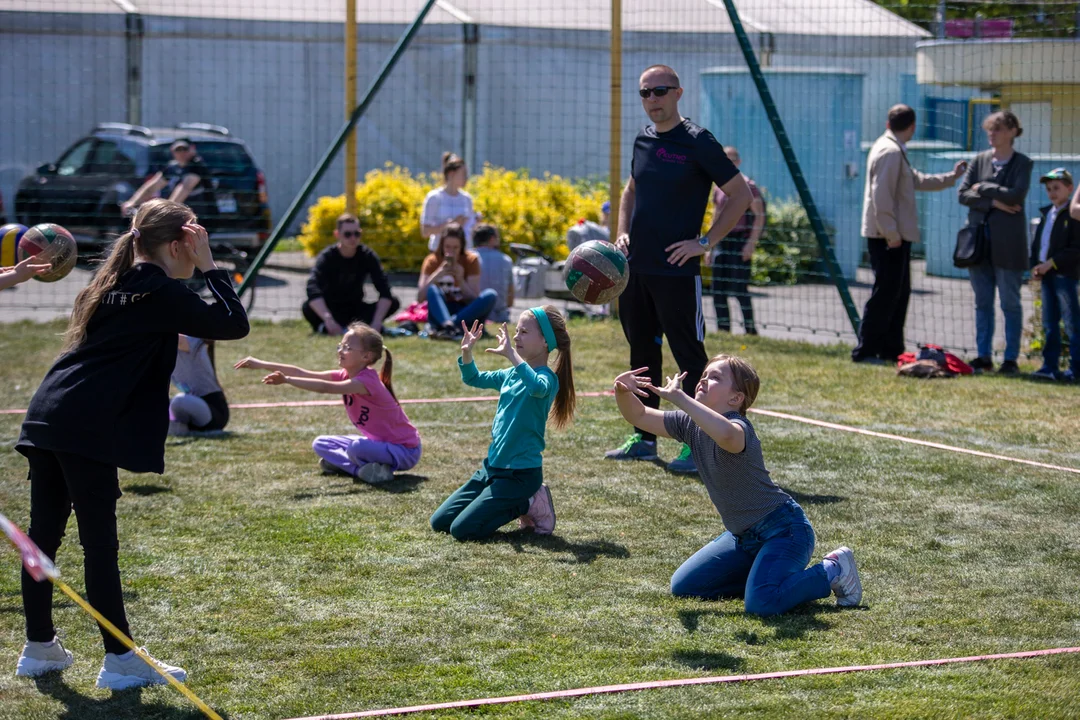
{"x":252,"y":363}
{"x":629,"y":389}
{"x":352,"y":386}
{"x":728,"y":435}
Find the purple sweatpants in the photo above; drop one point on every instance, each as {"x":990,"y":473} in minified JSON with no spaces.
{"x":351,"y":452}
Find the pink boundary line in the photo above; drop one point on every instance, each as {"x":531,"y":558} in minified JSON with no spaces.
{"x":912,"y":441}
{"x":684,"y":682}
{"x":609,"y":393}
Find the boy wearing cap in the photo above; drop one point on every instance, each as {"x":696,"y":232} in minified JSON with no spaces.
{"x":1055,"y":259}
{"x":186,"y":180}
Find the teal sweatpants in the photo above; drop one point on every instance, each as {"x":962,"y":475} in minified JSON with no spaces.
{"x":491,"y":498}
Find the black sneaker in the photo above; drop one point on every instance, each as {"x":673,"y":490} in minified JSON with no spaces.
{"x":980,"y":364}
{"x":1009,"y":367}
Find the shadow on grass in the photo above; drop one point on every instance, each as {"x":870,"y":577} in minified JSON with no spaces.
{"x":583,"y":552}
{"x":124,"y":704}
{"x":402,"y":483}
{"x":807,"y":499}
{"x":194,"y":437}
{"x":142,"y":489}
{"x":701,"y":660}
{"x":792,"y":625}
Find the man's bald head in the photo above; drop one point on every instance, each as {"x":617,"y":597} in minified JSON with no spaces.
{"x":661,"y":75}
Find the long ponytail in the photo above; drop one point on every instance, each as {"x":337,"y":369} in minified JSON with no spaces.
{"x":120,"y":260}
{"x":562,"y":410}
{"x":386,"y":374}
{"x":157,"y":223}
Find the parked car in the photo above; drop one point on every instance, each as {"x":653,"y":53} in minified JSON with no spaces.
{"x":82,"y":190}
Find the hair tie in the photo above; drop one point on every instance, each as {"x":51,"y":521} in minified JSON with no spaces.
{"x":135,"y":233}
{"x":544,"y":322}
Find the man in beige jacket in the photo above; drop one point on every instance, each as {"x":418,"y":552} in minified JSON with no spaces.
{"x":890,"y":225}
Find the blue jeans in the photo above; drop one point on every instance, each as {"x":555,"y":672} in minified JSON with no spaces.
{"x":1059,"y":294}
{"x":765,"y":565}
{"x":984,"y":278}
{"x":442,"y":312}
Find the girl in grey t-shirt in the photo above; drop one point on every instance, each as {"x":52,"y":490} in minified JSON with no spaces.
{"x":201,"y":403}
{"x":762,"y":556}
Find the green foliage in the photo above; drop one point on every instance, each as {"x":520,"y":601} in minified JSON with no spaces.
{"x":787,"y":252}
{"x":1030,"y":19}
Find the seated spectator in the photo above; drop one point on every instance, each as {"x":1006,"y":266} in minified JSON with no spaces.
{"x":335,"y":288}
{"x":449,"y":204}
{"x":588,"y":230}
{"x":496,"y":270}
{"x":450,"y":283}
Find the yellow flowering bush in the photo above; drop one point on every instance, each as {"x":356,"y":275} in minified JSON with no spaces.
{"x":532,"y":210}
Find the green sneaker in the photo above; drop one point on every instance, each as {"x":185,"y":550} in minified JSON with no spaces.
{"x":633,"y":449}
{"x":684,"y":464}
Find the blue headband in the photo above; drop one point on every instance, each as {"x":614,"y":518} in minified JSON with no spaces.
{"x":545,"y":327}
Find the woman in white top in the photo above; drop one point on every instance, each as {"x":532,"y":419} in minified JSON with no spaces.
{"x":448,"y":204}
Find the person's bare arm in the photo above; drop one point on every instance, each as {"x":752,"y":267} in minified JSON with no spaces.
{"x":151,"y":187}
{"x":252,"y":363}
{"x":184,"y":187}
{"x":626,"y":211}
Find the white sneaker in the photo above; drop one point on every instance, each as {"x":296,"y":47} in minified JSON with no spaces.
{"x":38,"y":658}
{"x":117,"y":674}
{"x":541,"y":515}
{"x":846,"y":586}
{"x":375,"y":473}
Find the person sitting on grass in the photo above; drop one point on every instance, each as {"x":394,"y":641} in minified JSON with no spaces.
{"x":510,"y":484}
{"x":450,"y":283}
{"x":768,"y":541}
{"x":388,"y":442}
{"x":1055,"y":259}
{"x":496,"y":270}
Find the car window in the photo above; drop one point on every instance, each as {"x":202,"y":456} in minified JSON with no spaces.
{"x":110,"y":158}
{"x":76,"y":159}
{"x":224,"y":158}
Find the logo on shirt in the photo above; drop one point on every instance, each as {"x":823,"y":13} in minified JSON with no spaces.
{"x":669,"y":157}
{"x":118,"y":297}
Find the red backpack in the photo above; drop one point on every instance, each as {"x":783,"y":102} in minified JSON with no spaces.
{"x":928,"y":356}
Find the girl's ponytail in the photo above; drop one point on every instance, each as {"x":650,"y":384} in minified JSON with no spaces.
{"x":562,"y":410}
{"x":386,"y":373}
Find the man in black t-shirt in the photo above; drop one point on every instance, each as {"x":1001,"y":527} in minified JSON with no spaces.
{"x":335,"y":288}
{"x":674,"y":167}
{"x":186,"y":180}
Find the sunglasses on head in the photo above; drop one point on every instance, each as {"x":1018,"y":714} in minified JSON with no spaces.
{"x":658,"y":91}
{"x":350,"y":233}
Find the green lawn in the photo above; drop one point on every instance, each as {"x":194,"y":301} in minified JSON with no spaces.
{"x":286,"y":593}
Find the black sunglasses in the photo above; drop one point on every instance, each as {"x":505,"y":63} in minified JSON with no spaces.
{"x":351,"y":233}
{"x":658,"y":91}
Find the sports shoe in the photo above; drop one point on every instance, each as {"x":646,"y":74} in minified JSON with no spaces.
{"x":633,"y":449}
{"x":117,"y":674}
{"x":1067,"y":377}
{"x":375,"y":473}
{"x":38,"y":658}
{"x":541,"y":515}
{"x":1044,"y":373}
{"x":329,"y":468}
{"x":980,"y":364}
{"x":684,"y":464}
{"x":846,"y":586}
{"x":1009,"y":367}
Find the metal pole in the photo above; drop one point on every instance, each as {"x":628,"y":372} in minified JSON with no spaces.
{"x":941,"y":9}
{"x":133,"y":36}
{"x":793,"y":166}
{"x":468,"y":119}
{"x":615,"y":130}
{"x":331,"y":152}
{"x":350,"y":103}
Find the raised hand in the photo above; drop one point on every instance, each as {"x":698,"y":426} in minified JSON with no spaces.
{"x":275,"y":378}
{"x":198,"y":242}
{"x":671,"y":389}
{"x":249,"y":363}
{"x":504,"y":348}
{"x":471,"y":335}
{"x":632,"y":381}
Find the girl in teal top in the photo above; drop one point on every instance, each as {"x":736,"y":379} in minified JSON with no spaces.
{"x":510,"y":484}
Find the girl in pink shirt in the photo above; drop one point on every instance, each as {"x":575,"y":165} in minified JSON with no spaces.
{"x":387,"y":441}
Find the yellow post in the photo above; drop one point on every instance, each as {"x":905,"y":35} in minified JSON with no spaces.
{"x":350,"y":104}
{"x":615,"y":153}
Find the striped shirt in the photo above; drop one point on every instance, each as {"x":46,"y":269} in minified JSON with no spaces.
{"x":738,"y":483}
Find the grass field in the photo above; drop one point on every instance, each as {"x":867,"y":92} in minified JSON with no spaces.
{"x":284,"y":592}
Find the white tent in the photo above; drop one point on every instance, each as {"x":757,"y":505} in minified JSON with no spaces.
{"x":272,"y":71}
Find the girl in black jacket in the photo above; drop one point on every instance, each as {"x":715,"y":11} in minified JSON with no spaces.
{"x":103,"y":405}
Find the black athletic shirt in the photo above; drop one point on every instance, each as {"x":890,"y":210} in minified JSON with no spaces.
{"x":108,"y":399}
{"x":202,"y":195}
{"x":673,"y":175}
{"x":340,"y":280}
